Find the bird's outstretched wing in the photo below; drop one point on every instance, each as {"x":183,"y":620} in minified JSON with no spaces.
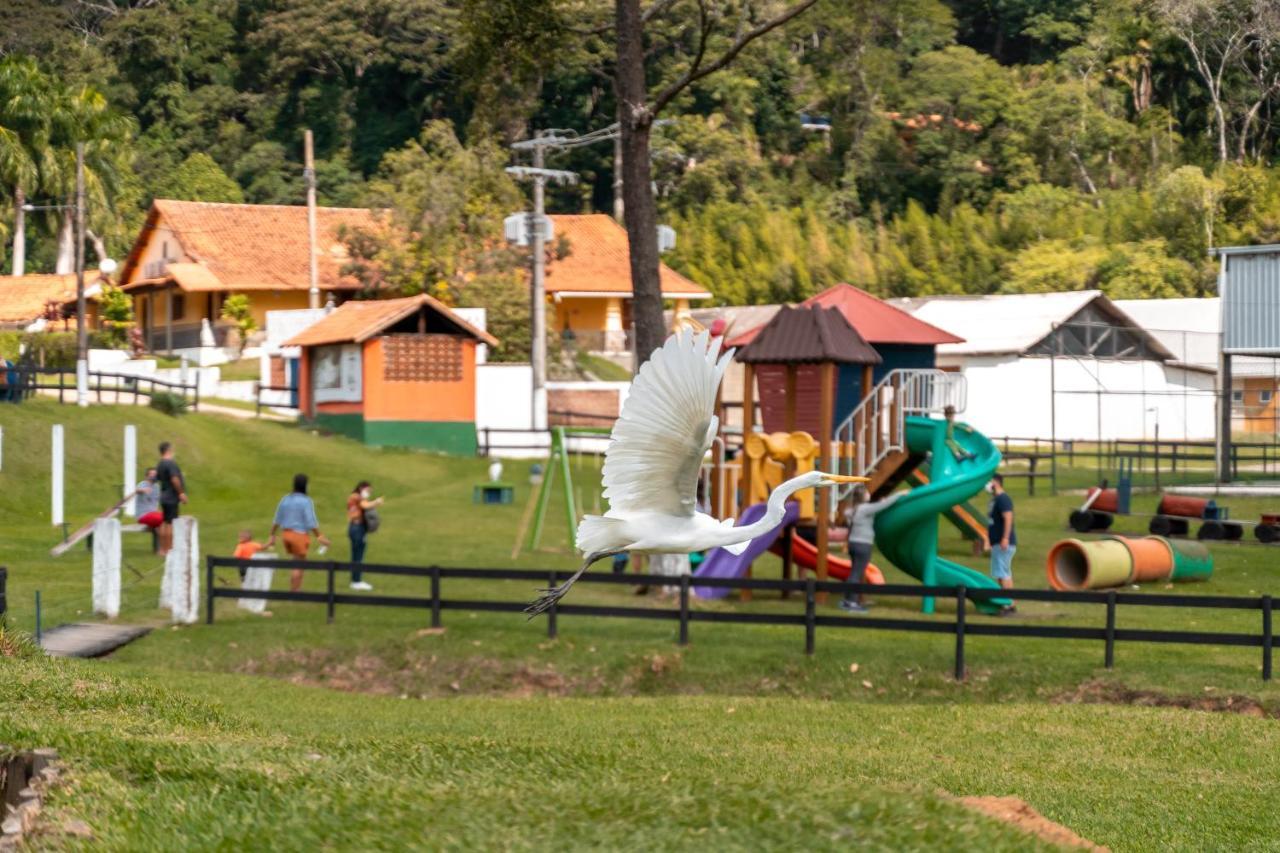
{"x":666,"y":427}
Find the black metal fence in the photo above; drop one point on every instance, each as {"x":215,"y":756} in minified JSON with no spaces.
{"x":4,"y":600}
{"x":106,"y":387}
{"x":683,"y":615}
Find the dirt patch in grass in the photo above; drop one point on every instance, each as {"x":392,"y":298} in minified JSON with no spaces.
{"x":419,"y":675}
{"x":1103,"y":693}
{"x":1018,"y":812}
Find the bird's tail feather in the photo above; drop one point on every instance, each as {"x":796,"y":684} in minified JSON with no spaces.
{"x":599,"y":533}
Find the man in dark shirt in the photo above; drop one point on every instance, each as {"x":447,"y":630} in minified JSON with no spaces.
{"x":1002,"y":535}
{"x":173,"y":492}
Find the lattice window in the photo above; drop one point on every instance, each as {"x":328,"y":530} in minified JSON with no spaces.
{"x":422,"y":358}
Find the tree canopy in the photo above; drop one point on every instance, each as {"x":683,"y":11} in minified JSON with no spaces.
{"x":907,"y":146}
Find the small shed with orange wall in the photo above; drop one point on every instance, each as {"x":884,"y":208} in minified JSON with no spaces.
{"x":393,"y":372}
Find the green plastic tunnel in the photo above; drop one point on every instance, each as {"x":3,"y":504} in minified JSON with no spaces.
{"x":1117,"y":560}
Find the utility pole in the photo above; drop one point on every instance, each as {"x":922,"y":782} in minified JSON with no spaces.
{"x":309,"y":175}
{"x":538,"y":292}
{"x":82,"y":334}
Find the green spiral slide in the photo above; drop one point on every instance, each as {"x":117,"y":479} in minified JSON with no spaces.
{"x":907,"y":532}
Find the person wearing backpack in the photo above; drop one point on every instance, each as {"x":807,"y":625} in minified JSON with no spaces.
{"x":362,"y":519}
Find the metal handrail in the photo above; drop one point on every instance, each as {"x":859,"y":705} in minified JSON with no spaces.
{"x":877,"y":426}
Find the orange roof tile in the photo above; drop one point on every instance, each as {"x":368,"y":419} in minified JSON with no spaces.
{"x":249,"y":246}
{"x":599,"y":260}
{"x":24,"y":299}
{"x":358,"y":320}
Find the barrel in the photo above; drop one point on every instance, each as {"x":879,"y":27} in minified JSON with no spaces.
{"x":1267,"y":532}
{"x":1152,"y":558}
{"x":1085,"y":520}
{"x":1191,"y":560}
{"x":1107,"y":501}
{"x":1183,"y":505}
{"x":1167,"y":525}
{"x":1075,"y":564}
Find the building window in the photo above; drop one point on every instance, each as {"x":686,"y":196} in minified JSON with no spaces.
{"x":1264,"y":397}
{"x":335,"y":374}
{"x":1237,"y":396}
{"x":179,"y":305}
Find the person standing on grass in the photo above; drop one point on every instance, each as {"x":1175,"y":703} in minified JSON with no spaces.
{"x":1002,"y":536}
{"x":359,"y":502}
{"x":296,"y":516}
{"x":173,"y":493}
{"x":862,"y":538}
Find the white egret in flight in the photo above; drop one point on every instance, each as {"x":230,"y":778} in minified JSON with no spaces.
{"x":651,"y":466}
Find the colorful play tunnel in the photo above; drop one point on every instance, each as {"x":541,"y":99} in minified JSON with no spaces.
{"x":1075,"y":564}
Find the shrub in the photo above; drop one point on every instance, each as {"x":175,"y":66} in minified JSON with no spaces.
{"x":169,"y":403}
{"x":236,"y":309}
{"x":117,"y":317}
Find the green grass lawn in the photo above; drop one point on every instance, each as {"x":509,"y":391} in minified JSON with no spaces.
{"x":222,"y":718}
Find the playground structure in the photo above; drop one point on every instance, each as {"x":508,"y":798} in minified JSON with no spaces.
{"x":1074,"y":564}
{"x":1173,"y":516}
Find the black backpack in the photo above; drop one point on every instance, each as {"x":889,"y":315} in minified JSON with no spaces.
{"x":372,"y":521}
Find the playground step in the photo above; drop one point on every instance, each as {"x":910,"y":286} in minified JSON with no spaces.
{"x":892,"y":470}
{"x":88,"y":639}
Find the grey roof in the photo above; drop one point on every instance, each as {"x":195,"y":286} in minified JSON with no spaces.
{"x":808,"y":336}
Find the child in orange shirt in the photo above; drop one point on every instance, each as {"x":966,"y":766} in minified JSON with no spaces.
{"x":245,"y":550}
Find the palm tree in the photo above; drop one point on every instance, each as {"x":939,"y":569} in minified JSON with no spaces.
{"x":24,"y":132}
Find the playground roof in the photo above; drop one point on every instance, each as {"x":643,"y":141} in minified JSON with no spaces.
{"x":221,"y":247}
{"x":359,"y":320}
{"x":599,"y":263}
{"x":877,"y":321}
{"x":809,"y":335}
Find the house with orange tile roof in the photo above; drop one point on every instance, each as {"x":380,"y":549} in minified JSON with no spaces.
{"x":392,"y":372}
{"x":39,"y":301}
{"x":590,"y":287}
{"x":190,"y":256}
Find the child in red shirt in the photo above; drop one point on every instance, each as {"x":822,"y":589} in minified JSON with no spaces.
{"x":245,"y":549}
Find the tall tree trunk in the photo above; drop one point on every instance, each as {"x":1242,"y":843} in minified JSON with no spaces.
{"x":66,"y":262}
{"x":641,"y":210}
{"x":19,"y":232}
{"x":619,"y":207}
{"x":1221,"y":119}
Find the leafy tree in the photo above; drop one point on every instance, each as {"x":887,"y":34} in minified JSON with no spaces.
{"x":116,"y":310}
{"x":237,"y":310}
{"x":199,"y":178}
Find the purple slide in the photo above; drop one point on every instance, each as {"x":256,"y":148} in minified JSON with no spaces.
{"x":721,"y":564}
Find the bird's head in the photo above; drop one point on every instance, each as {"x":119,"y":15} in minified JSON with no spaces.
{"x":822,"y":478}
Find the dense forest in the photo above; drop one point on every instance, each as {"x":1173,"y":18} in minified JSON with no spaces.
{"x":909,"y":146}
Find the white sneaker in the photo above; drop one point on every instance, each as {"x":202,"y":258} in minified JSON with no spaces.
{"x":362,"y":586}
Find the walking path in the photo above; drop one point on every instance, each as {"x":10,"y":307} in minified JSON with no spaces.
{"x":89,"y":639}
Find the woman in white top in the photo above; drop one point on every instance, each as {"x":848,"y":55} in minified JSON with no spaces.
{"x":862,"y":537}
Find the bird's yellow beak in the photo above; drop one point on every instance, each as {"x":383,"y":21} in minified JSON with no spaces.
{"x":844,"y":478}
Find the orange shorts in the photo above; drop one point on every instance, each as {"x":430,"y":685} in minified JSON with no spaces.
{"x":296,"y":544}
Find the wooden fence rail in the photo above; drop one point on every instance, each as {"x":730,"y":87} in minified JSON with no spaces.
{"x":434,"y":602}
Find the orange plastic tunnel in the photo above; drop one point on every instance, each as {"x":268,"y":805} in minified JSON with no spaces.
{"x":1074,"y":564}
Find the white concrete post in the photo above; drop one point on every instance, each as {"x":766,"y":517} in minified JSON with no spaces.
{"x":106,"y":567}
{"x":180,"y":587}
{"x":55,"y":477}
{"x":130,"y":472}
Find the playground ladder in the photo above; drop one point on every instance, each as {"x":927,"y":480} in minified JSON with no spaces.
{"x":876,"y":429}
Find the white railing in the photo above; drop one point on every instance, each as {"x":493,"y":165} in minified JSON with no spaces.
{"x":877,"y":427}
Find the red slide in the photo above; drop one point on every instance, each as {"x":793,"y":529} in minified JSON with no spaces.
{"x":805,"y":553}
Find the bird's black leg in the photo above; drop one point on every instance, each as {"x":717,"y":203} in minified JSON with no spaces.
{"x":550,"y":595}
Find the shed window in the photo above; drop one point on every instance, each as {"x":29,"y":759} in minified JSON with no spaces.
{"x":1264,"y":397}
{"x":423,"y":358}
{"x":1237,"y":396}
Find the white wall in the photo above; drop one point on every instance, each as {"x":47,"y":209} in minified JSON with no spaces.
{"x":503,"y":393}
{"x":1011,"y":396}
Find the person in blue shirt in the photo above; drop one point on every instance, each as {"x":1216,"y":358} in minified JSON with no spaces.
{"x":296,"y":516}
{"x":1002,"y":535}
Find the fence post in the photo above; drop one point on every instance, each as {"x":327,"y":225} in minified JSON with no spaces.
{"x":1109,"y":658}
{"x":39,"y":632}
{"x":552,"y":629}
{"x":810,"y":614}
{"x":1266,"y":638}
{"x":257,"y":399}
{"x":4,"y":603}
{"x":208,"y":589}
{"x":960,"y":600}
{"x":684,"y":607}
{"x":435,"y":596}
{"x":331,"y":604}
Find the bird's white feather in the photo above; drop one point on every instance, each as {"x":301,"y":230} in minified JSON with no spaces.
{"x":666,"y":427}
